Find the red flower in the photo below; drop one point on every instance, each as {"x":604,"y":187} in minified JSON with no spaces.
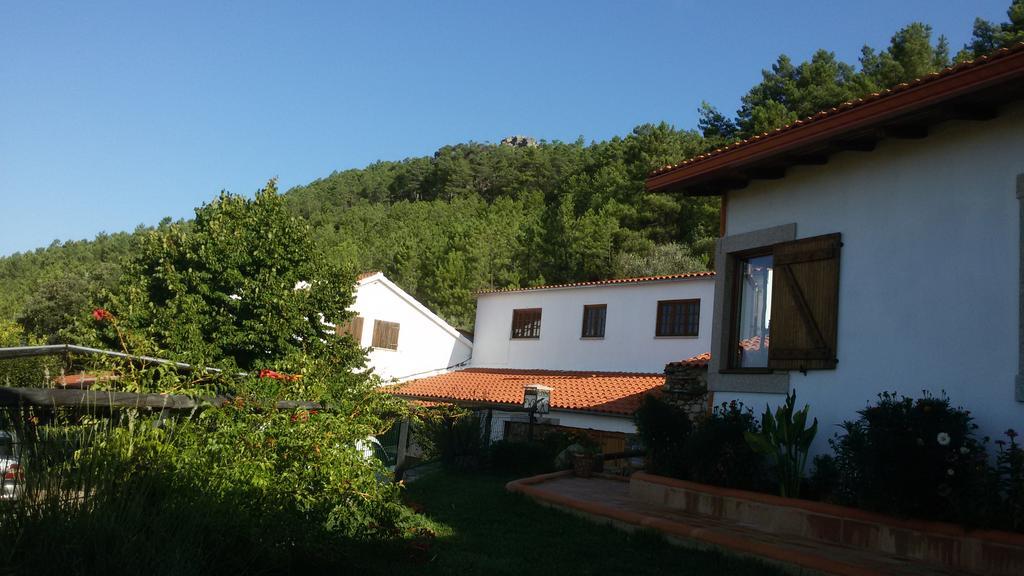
{"x":279,"y":376}
{"x":101,"y":314}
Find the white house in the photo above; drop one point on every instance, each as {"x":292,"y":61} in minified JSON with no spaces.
{"x":599,"y":347}
{"x":628,"y":325}
{"x":875,"y":247}
{"x":406,"y":340}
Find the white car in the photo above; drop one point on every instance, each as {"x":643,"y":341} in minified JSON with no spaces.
{"x":11,"y":474}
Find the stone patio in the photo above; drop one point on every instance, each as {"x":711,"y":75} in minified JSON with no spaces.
{"x":607,"y":499}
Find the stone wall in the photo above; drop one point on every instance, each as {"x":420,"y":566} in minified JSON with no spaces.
{"x":686,"y":386}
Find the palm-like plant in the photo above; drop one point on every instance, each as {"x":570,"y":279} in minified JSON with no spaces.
{"x":785,"y":440}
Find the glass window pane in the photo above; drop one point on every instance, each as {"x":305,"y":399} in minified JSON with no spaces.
{"x":754,"y":312}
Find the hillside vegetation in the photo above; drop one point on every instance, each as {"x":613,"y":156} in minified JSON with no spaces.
{"x":479,"y":215}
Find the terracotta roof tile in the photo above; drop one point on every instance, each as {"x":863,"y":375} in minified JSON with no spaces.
{"x":698,"y":361}
{"x":367,"y":274}
{"x":82,"y":380}
{"x":611,"y":281}
{"x":851,"y":104}
{"x":617,"y":393}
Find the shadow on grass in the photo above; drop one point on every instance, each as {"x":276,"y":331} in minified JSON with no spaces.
{"x":482,"y":529}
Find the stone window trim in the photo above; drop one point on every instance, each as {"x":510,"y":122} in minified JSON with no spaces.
{"x":720,"y":379}
{"x":1019,"y":380}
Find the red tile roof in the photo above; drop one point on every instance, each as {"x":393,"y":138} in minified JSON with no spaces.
{"x":618,"y":393}
{"x":983,"y":73}
{"x":612,"y":281}
{"x":82,"y":380}
{"x":366,"y":275}
{"x":753,"y":344}
{"x":698,"y":361}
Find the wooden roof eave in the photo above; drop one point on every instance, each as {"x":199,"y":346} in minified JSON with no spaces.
{"x":972,"y":93}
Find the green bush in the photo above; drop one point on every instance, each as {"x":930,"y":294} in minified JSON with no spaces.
{"x":912,"y":457}
{"x":222,"y":490}
{"x":453,"y":436}
{"x":664,"y":430}
{"x":717,"y":451}
{"x":1006,"y":479}
{"x":522,"y":458}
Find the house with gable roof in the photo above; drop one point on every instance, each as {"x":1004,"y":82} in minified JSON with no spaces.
{"x":405,"y":339}
{"x":876,"y":246}
{"x":598,"y":346}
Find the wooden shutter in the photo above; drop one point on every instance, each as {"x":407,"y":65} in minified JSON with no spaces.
{"x":378,"y":334}
{"x":392,"y":342}
{"x":385,"y":334}
{"x":805,"y":304}
{"x":354,"y":328}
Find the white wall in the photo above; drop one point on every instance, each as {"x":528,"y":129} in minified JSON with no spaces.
{"x":568,"y":419}
{"x":425,"y":342}
{"x":629,"y":344}
{"x":929,"y":271}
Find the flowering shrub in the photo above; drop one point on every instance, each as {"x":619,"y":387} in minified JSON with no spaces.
{"x":912,"y":457}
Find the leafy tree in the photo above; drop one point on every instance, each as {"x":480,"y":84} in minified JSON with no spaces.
{"x":988,"y":37}
{"x":243,"y":286}
{"x":713,"y":124}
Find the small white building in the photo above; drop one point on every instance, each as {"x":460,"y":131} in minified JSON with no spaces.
{"x":875,"y":247}
{"x":626,"y":325}
{"x":406,"y":340}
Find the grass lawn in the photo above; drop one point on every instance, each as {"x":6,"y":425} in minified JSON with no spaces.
{"x":482,"y":529}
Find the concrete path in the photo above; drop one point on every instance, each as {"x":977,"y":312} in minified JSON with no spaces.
{"x":606,"y":498}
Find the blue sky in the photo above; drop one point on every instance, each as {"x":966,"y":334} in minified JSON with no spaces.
{"x":116,"y":114}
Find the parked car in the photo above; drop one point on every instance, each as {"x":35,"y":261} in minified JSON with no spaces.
{"x":11,"y":474}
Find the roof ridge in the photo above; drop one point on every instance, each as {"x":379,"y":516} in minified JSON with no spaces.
{"x":606,"y":282}
{"x":553,"y":371}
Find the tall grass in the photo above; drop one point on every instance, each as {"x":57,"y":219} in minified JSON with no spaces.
{"x":110,"y":494}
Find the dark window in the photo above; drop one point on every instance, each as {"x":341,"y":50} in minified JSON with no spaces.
{"x":678,"y":318}
{"x":593,"y":320}
{"x":526,"y":323}
{"x":353,"y":327}
{"x":385,"y":334}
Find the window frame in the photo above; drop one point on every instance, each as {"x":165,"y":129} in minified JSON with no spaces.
{"x":682,"y":302}
{"x":604,"y":321}
{"x":533,"y":334}
{"x":720,"y":378}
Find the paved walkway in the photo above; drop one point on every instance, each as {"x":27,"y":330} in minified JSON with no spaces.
{"x":607,"y":498}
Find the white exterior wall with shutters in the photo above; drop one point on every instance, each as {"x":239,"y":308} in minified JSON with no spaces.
{"x":629,"y":344}
{"x":426,"y":343}
{"x":929,"y":272}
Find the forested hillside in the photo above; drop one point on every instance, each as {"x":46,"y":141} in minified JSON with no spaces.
{"x":480,"y":215}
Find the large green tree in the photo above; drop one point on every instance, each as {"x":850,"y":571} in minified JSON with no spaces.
{"x":244,"y":286}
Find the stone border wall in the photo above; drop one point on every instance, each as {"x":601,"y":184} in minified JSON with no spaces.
{"x":985,"y":552}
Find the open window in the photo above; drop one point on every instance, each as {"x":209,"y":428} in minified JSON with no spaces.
{"x":785,"y":301}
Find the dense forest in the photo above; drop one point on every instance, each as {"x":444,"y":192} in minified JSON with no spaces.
{"x":518,"y":213}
